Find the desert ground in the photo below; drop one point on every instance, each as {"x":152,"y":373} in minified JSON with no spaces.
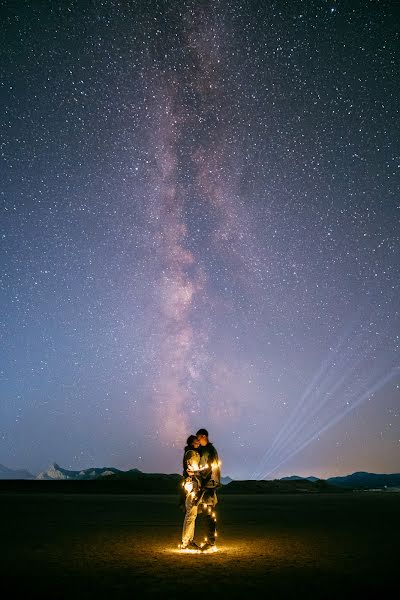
{"x":63,"y":545}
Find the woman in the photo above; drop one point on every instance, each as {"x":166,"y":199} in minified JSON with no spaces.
{"x":191,"y":485}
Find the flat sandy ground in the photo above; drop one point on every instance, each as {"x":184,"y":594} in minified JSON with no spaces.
{"x":271,"y":546}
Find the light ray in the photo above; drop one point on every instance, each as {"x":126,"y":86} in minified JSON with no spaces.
{"x":362,"y":398}
{"x":298,"y":425}
{"x":271,"y":461}
{"x":306,"y":397}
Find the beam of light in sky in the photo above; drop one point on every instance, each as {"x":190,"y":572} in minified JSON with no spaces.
{"x":318,"y":400}
{"x":306,"y":400}
{"x":351,"y":405}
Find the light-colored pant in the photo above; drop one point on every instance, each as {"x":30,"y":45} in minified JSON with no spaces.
{"x":189,"y":520}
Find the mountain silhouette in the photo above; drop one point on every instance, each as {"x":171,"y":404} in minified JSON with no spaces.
{"x":358,"y":480}
{"x":55,"y":472}
{"x":364,"y":480}
{"x":6,"y":473}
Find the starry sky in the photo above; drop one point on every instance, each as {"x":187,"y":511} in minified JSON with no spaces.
{"x":200,"y":228}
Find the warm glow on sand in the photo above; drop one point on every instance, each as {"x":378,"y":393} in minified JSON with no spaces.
{"x":211,"y":550}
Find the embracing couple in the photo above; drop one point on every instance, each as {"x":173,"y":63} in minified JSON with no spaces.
{"x":201,"y":472}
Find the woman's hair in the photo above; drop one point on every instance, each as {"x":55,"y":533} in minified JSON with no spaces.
{"x":190,"y":440}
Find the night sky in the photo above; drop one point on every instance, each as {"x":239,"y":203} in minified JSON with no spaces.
{"x":200,"y":228}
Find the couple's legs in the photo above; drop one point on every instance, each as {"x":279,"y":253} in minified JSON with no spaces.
{"x":189,"y":521}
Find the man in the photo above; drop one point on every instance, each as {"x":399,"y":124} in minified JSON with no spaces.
{"x":191,"y":488}
{"x":210,"y":474}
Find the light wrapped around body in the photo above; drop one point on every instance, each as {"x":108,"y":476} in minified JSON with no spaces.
{"x":188,"y":486}
{"x":215,"y":470}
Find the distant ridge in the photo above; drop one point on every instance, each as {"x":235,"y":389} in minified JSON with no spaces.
{"x":297,"y":477}
{"x":226,"y":480}
{"x":298,"y":485}
{"x":110,"y":480}
{"x":359,"y":480}
{"x":6,"y":473}
{"x":55,"y":472}
{"x":363,"y":480}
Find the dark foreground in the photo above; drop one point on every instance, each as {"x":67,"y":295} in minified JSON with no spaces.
{"x":275,"y":546}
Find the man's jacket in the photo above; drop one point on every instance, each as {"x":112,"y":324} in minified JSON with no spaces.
{"x":211,"y":475}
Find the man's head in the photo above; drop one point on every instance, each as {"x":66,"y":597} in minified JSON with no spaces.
{"x":193,"y":441}
{"x":202,"y":436}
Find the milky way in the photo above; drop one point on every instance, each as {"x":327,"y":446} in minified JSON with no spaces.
{"x":200,"y":229}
